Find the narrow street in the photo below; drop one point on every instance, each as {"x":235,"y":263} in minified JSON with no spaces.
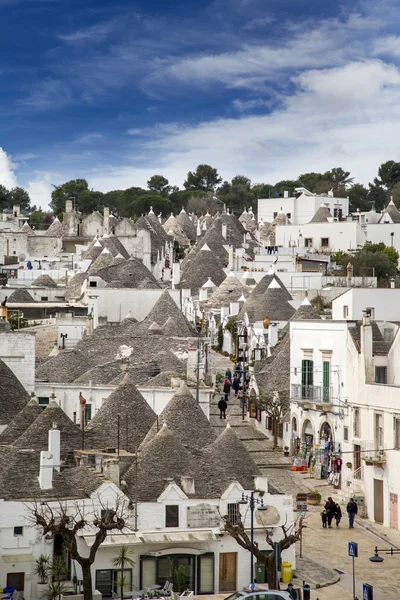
{"x":325,"y":551}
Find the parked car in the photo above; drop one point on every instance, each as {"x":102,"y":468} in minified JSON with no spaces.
{"x":261,"y":595}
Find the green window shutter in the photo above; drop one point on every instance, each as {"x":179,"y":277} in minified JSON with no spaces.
{"x":310,"y":372}
{"x":325,"y":381}
{"x":303,"y":378}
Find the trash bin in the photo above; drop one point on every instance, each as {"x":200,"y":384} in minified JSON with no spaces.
{"x":286,"y":572}
{"x":306,"y":592}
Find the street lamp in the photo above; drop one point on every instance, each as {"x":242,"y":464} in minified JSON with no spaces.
{"x":252,"y":502}
{"x":378,"y":559}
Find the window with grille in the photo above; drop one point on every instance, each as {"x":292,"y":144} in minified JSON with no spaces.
{"x":308,"y":242}
{"x":172,"y":515}
{"x":233,"y":513}
{"x":325,"y":242}
{"x":381,"y":375}
{"x":346,"y":434}
{"x":307,"y":379}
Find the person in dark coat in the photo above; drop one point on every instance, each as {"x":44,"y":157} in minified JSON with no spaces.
{"x":338,"y":515}
{"x":330,"y":508}
{"x":222,"y":405}
{"x":292,"y":591}
{"x":352,"y":510}
{"x":228,"y":374}
{"x":235,"y":384}
{"x":227,"y":388}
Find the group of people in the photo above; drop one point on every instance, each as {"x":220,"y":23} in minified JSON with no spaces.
{"x":232,"y":383}
{"x":332,"y":511}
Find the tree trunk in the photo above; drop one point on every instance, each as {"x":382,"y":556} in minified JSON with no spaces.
{"x":87,"y":582}
{"x":273,"y":582}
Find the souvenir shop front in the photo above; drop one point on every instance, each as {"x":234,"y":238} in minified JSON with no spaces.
{"x":317,"y":452}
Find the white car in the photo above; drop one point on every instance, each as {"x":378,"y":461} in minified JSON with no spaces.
{"x":261,"y":595}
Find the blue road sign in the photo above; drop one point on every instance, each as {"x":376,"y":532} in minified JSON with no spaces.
{"x":353,"y":549}
{"x":367,"y":592}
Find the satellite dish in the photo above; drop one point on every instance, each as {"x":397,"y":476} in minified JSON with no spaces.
{"x":21,"y":257}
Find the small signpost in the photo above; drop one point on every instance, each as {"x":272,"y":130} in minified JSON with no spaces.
{"x":301,"y":508}
{"x":353,"y":552}
{"x":368,"y":592}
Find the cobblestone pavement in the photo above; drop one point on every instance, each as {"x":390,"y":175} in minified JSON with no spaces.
{"x":325,"y":551}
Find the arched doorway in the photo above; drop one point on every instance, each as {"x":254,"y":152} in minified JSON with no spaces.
{"x":326,"y":447}
{"x":295,"y":440}
{"x":308,"y":434}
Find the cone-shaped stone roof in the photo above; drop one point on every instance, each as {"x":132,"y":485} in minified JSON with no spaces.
{"x":256,"y":303}
{"x":230,"y":290}
{"x":36,"y":436}
{"x":55,"y":228}
{"x":165,"y":309}
{"x":187,"y":225}
{"x":105,"y":259}
{"x":185,"y":418}
{"x":135,"y":419}
{"x":45,"y":281}
{"x":26,"y":228}
{"x":163,"y":459}
{"x":392,"y":211}
{"x":93,"y":251}
{"x":21,"y":422}
{"x":204,"y":265}
{"x":322,"y":215}
{"x":131,"y":274}
{"x":13,"y":395}
{"x":231,"y":460}
{"x":20,"y":296}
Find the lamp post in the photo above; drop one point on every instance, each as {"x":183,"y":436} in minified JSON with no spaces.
{"x":252,"y":502}
{"x":378,"y":559}
{"x":63,"y":336}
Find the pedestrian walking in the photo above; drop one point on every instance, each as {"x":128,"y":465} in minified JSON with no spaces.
{"x":338,"y":514}
{"x":292,"y":591}
{"x":222,"y":405}
{"x":228,"y":374}
{"x":324,"y":518}
{"x":352,"y":510}
{"x":235,"y":384}
{"x":227,"y":388}
{"x":330,"y":508}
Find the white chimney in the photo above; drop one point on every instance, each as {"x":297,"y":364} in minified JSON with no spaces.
{"x":55,"y":446}
{"x":198,"y":228}
{"x":111,"y":470}
{"x":261,"y":483}
{"x":46,"y":470}
{"x":16,"y":210}
{"x":224,"y":312}
{"x":234,"y":308}
{"x":286,"y":194}
{"x":230,"y":254}
{"x":273,"y":334}
{"x":106,"y":219}
{"x":176,"y":274}
{"x":367,"y":348}
{"x":68,"y":206}
{"x":224,"y":230}
{"x":203,"y":294}
{"x":187,"y":484}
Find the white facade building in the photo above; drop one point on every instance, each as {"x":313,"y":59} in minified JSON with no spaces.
{"x":382,"y":304}
{"x":300,"y":208}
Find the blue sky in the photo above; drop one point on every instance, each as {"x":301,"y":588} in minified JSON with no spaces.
{"x":116,"y":92}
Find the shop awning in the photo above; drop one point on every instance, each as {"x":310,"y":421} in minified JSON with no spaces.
{"x":177,"y":536}
{"x":127,"y":539}
{"x":17,"y":558}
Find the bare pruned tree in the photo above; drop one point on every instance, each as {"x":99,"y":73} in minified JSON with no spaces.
{"x":71,"y":520}
{"x":276,"y":406}
{"x":291,"y":534}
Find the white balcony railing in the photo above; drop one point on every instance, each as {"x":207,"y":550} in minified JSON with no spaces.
{"x":313,"y":393}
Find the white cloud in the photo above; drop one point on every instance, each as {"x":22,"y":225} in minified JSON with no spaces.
{"x":89,"y":138}
{"x":347,"y":116}
{"x":388,"y":45}
{"x":40,"y":189}
{"x":7,"y":175}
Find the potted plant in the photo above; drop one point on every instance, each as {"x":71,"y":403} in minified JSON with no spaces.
{"x":286,"y":451}
{"x":42,"y":566}
{"x":314,"y":497}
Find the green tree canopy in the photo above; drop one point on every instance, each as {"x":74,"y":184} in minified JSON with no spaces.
{"x":17,"y":195}
{"x":69,"y":190}
{"x":204,"y":178}
{"x":160,"y":185}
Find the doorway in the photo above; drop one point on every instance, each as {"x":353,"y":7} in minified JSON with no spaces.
{"x":16,"y":581}
{"x":357,"y":460}
{"x":394,"y":511}
{"x":378,"y":500}
{"x":227,"y":571}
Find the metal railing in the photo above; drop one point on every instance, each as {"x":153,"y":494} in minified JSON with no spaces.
{"x":314,"y":393}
